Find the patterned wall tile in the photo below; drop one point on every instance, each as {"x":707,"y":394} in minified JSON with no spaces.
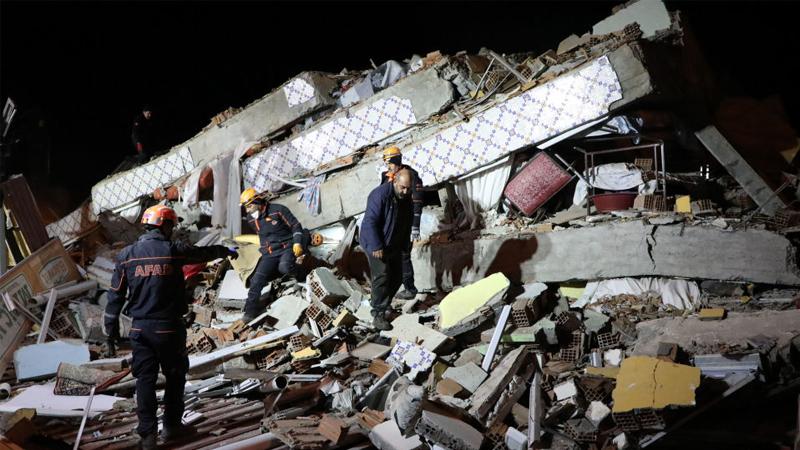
{"x":333,"y":139}
{"x":534,"y":116}
{"x":73,"y":224}
{"x":298,"y":91}
{"x":140,"y":181}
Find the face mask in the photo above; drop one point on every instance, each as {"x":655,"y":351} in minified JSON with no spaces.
{"x":254,"y":214}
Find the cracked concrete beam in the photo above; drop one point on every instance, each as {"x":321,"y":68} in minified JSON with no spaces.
{"x":345,"y":194}
{"x":485,"y":397}
{"x":752,"y":183}
{"x":309,"y":92}
{"x":629,"y":249}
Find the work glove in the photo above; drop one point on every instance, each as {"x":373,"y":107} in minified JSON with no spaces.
{"x":415,"y":233}
{"x":232,"y":253}
{"x":297,"y":249}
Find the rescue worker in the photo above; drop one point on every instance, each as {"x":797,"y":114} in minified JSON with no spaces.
{"x":149,"y":275}
{"x":280,"y":236}
{"x":143,"y":136}
{"x":385,"y":233}
{"x":394,"y":162}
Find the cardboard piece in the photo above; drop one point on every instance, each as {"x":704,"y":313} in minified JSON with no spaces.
{"x":650,"y":383}
{"x":711,"y":314}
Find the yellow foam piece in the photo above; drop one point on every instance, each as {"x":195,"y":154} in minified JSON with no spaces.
{"x":466,"y":300}
{"x":645,"y":382}
{"x":571,"y":291}
{"x":306,"y":353}
{"x":683,"y":204}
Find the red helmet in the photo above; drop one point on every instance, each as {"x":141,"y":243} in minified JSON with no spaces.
{"x":156,"y":215}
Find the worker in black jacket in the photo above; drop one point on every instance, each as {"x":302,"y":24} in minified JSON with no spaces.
{"x":143,"y":135}
{"x":149,"y":275}
{"x":280,"y":236}
{"x":394,"y":162}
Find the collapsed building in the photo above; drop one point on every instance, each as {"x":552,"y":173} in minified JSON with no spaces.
{"x":607,"y":241}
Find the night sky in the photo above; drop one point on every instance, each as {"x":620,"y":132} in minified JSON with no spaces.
{"x":79,"y":72}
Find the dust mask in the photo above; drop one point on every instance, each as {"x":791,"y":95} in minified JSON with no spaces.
{"x":254,"y":214}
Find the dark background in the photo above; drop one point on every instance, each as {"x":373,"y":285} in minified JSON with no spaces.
{"x":80,"y":72}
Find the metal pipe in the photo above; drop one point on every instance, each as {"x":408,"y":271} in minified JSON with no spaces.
{"x":508,"y":66}
{"x":495,"y":342}
{"x":48,"y":314}
{"x":261,"y":442}
{"x":3,"y":249}
{"x":276,"y":384}
{"x":83,"y":420}
{"x":67,"y":290}
{"x":5,"y":391}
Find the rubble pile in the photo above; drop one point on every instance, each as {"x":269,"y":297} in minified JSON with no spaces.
{"x":596,"y":268}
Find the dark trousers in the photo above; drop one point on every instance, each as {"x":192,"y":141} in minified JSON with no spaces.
{"x":158,"y":343}
{"x":269,"y":267}
{"x":408,"y":272}
{"x":386,"y":276}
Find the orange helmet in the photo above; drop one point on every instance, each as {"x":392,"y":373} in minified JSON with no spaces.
{"x":156,"y":215}
{"x":391,"y":152}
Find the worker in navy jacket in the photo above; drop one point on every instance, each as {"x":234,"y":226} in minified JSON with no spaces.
{"x":280,"y":237}
{"x":385,"y":233}
{"x":394,"y":162}
{"x":149,"y":275}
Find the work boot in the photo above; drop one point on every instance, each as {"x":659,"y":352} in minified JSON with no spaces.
{"x":172,"y":432}
{"x":381,"y":323}
{"x":148,"y":441}
{"x":406,"y":294}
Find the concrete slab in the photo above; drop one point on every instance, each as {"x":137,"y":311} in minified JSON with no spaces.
{"x":287,"y":310}
{"x":232,"y":287}
{"x":705,"y":337}
{"x":387,"y":436}
{"x":449,"y":432}
{"x":651,"y":15}
{"x":305,"y":93}
{"x":38,"y":361}
{"x":484,"y":398}
{"x":629,"y":249}
{"x":470,"y":375}
{"x":370,"y":351}
{"x":408,"y":328}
